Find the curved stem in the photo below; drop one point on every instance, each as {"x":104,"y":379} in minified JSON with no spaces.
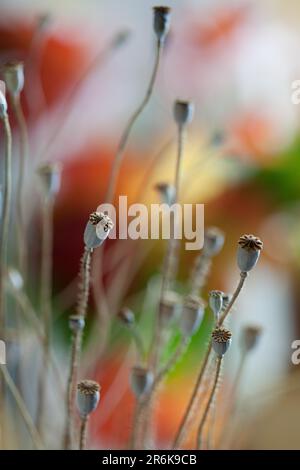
{"x":21,"y":226}
{"x":22,"y":407}
{"x":170,"y":261}
{"x":124,"y":138}
{"x":83,"y":433}
{"x":208,"y":405}
{"x":83,"y":295}
{"x":4,"y":228}
{"x":237,"y":291}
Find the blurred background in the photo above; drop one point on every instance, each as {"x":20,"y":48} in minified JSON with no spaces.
{"x":87,"y":65}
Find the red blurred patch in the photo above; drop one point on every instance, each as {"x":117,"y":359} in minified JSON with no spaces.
{"x":220,"y":26}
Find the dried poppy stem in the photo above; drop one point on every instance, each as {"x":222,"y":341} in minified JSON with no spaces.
{"x":243,"y":276}
{"x":45,"y":301}
{"x":21,"y":226}
{"x":183,"y":428}
{"x":83,"y":433}
{"x":210,"y":400}
{"x":5,"y":219}
{"x":36,"y":439}
{"x":83,"y":295}
{"x":124,"y":138}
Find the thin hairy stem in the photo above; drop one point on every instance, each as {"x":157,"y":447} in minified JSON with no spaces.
{"x":21,"y":226}
{"x":36,"y":439}
{"x":237,"y":291}
{"x":45,"y":302}
{"x":135,"y":439}
{"x":82,"y":304}
{"x":4,"y":228}
{"x":208,"y":405}
{"x":83,"y":433}
{"x":183,"y":427}
{"x":124,"y":137}
{"x":170,"y":261}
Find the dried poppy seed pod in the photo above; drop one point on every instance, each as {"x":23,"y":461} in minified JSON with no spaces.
{"x":161,"y":22}
{"x":88,"y":396}
{"x":169,"y":307}
{"x":141,"y":380}
{"x":216,"y":302}
{"x":213,"y":241}
{"x":50,"y":177}
{"x":250,"y":337}
{"x":166,"y":192}
{"x":76,"y":323}
{"x":104,"y":226}
{"x":3,"y":102}
{"x":248,"y":252}
{"x":13,"y":73}
{"x":192,"y":315}
{"x":94,"y":236}
{"x":226,"y":299}
{"x":183,"y":112}
{"x":221,"y":340}
{"x":126,"y":316}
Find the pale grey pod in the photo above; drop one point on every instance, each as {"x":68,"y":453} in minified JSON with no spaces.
{"x":161,"y":22}
{"x":213,"y":241}
{"x":76,"y":323}
{"x":141,"y":380}
{"x":88,"y":396}
{"x":104,"y":226}
{"x":247,"y":259}
{"x":15,"y":278}
{"x":126,"y":316}
{"x":183,"y":112}
{"x":191,"y":315}
{"x":221,"y":340}
{"x":90,"y":237}
{"x":221,"y":348}
{"x":3,"y":102}
{"x":250,"y":337}
{"x":14,"y":77}
{"x":50,"y":176}
{"x":216,"y":302}
{"x":169,"y":307}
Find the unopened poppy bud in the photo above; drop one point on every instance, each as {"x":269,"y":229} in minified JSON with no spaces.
{"x":76,"y":323}
{"x":169,"y":307}
{"x":126,"y":316}
{"x":213,"y":241}
{"x":248,"y":252}
{"x":192,"y":315}
{"x":216,"y":302}
{"x":141,"y":380}
{"x":13,"y":73}
{"x":50,"y":176}
{"x":221,"y":340}
{"x":161,"y":21}
{"x":166,"y":192}
{"x":88,"y":396}
{"x":95,"y":234}
{"x":183,"y":112}
{"x":3,"y":102}
{"x":250,"y":337}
